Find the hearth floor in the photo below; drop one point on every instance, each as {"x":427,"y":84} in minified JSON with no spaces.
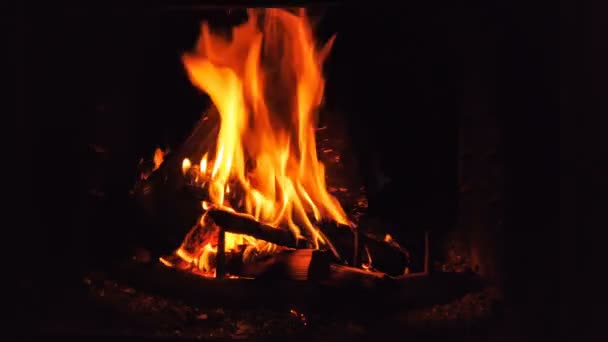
{"x":106,"y":309}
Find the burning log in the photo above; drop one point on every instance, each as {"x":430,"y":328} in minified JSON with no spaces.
{"x":336,"y":292}
{"x":168,"y":176}
{"x":160,"y":197}
{"x":167,"y":182}
{"x":344,"y":238}
{"x":242,"y":224}
{"x":384,"y":257}
{"x":200,"y":194}
{"x":220,"y":268}
{"x":300,"y":264}
{"x":345,"y":276}
{"x":249,"y":163}
{"x":204,"y":291}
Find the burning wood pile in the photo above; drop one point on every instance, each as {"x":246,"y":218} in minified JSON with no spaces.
{"x":252,"y":163}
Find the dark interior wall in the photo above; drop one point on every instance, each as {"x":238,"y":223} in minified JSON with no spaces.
{"x":480,"y":231}
{"x":397,"y":77}
{"x":528,"y":105}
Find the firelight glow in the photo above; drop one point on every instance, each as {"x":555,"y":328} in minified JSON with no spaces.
{"x":267,"y":85}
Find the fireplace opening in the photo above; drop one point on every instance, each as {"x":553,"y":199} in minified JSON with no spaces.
{"x":314,"y":172}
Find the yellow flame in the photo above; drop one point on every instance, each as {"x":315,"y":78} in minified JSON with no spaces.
{"x":165,"y":262}
{"x":186,"y":165}
{"x":184,"y":255}
{"x":203,"y":168}
{"x":267,"y":85}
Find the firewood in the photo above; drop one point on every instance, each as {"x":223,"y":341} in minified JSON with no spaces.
{"x":242,"y":224}
{"x":344,"y":239}
{"x":168,"y":177}
{"x":335,"y":292}
{"x":161,"y":200}
{"x":384,"y":257}
{"x":197,"y":192}
{"x":160,"y":190}
{"x":220,"y":270}
{"x":299,"y":264}
{"x":355,"y":246}
{"x":346,"y":276}
{"x":198,"y":290}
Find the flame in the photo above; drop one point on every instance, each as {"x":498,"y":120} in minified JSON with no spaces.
{"x":267,"y":85}
{"x":159,"y":157}
{"x":388,"y":238}
{"x":186,"y":165}
{"x":165,"y":262}
{"x":203,"y":168}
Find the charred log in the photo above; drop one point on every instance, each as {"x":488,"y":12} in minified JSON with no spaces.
{"x":362,"y":247}
{"x":300,"y":264}
{"x":241,"y":224}
{"x":161,"y":198}
{"x":344,"y":239}
{"x":345,"y":276}
{"x":335,"y":292}
{"x":227,"y":292}
{"x":384,"y":257}
{"x":168,"y":176}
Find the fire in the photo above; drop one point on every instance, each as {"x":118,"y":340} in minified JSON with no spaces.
{"x":157,"y":160}
{"x":267,"y":85}
{"x":186,"y":165}
{"x":203,"y":168}
{"x":159,"y":157}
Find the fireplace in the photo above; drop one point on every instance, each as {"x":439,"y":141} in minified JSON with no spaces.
{"x":255,"y":173}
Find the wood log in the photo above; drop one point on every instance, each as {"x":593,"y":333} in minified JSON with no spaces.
{"x":227,"y":292}
{"x":166,"y":183}
{"x":161,"y":200}
{"x":351,"y":244}
{"x":344,"y":239}
{"x":243,"y":224}
{"x":299,"y":264}
{"x":168,"y":178}
{"x":197,"y":192}
{"x":355,"y":246}
{"x":220,"y":267}
{"x":346,"y":276}
{"x":285,"y":294}
{"x":385,"y":257}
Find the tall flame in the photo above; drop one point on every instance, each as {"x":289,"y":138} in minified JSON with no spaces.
{"x":267,"y":85}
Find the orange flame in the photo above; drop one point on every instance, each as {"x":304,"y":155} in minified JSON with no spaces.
{"x":267,"y":85}
{"x":204,"y":164}
{"x":159,"y":157}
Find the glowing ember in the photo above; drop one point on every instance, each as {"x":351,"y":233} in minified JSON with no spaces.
{"x":266,"y":83}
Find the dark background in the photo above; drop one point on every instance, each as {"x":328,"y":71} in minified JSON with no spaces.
{"x":400,"y":77}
